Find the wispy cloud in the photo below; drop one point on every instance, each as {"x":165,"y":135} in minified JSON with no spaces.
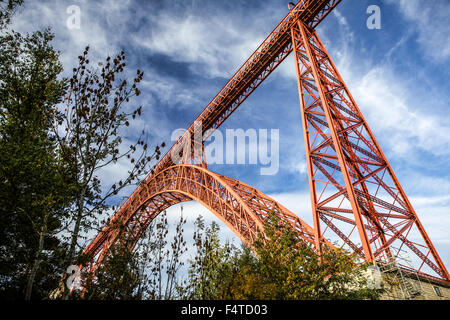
{"x":430,"y":22}
{"x":71,"y":42}
{"x":169,"y":91}
{"x":391,"y":108}
{"x":214,"y":46}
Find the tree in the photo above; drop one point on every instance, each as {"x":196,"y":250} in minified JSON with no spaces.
{"x":90,"y":138}
{"x":118,"y":277}
{"x":286,"y":267}
{"x":212,"y":265}
{"x":160,"y":261}
{"x":35,"y":183}
{"x":149,"y":272}
{"x":280,"y":266}
{"x":7,"y":9}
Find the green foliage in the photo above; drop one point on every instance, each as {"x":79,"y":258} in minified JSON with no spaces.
{"x":50,"y":156}
{"x":291,"y":269}
{"x":35,"y":183}
{"x":211,"y":264}
{"x":118,"y":278}
{"x":7,"y":9}
{"x":282,"y":267}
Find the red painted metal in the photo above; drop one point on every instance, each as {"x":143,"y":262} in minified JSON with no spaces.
{"x":351,"y":181}
{"x":354,"y":192}
{"x":241,"y":207}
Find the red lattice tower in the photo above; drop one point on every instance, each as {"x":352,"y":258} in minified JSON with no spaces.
{"x":355,"y":195}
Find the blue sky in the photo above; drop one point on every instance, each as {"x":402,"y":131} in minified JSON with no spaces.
{"x":188,"y":50}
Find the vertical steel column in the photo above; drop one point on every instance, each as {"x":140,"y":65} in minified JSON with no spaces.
{"x":336,"y":142}
{"x":317,"y":233}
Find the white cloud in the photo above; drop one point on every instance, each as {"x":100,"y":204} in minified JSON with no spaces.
{"x":214,"y":45}
{"x":431,"y":24}
{"x":300,"y":167}
{"x":390,"y":108}
{"x":190,"y":211}
{"x":169,"y":91}
{"x":71,"y":42}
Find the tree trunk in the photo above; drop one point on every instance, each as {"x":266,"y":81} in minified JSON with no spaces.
{"x":76,"y":231}
{"x":37,"y":260}
{"x":74,"y":239}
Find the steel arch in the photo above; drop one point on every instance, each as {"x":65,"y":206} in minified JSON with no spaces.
{"x":241,"y":207}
